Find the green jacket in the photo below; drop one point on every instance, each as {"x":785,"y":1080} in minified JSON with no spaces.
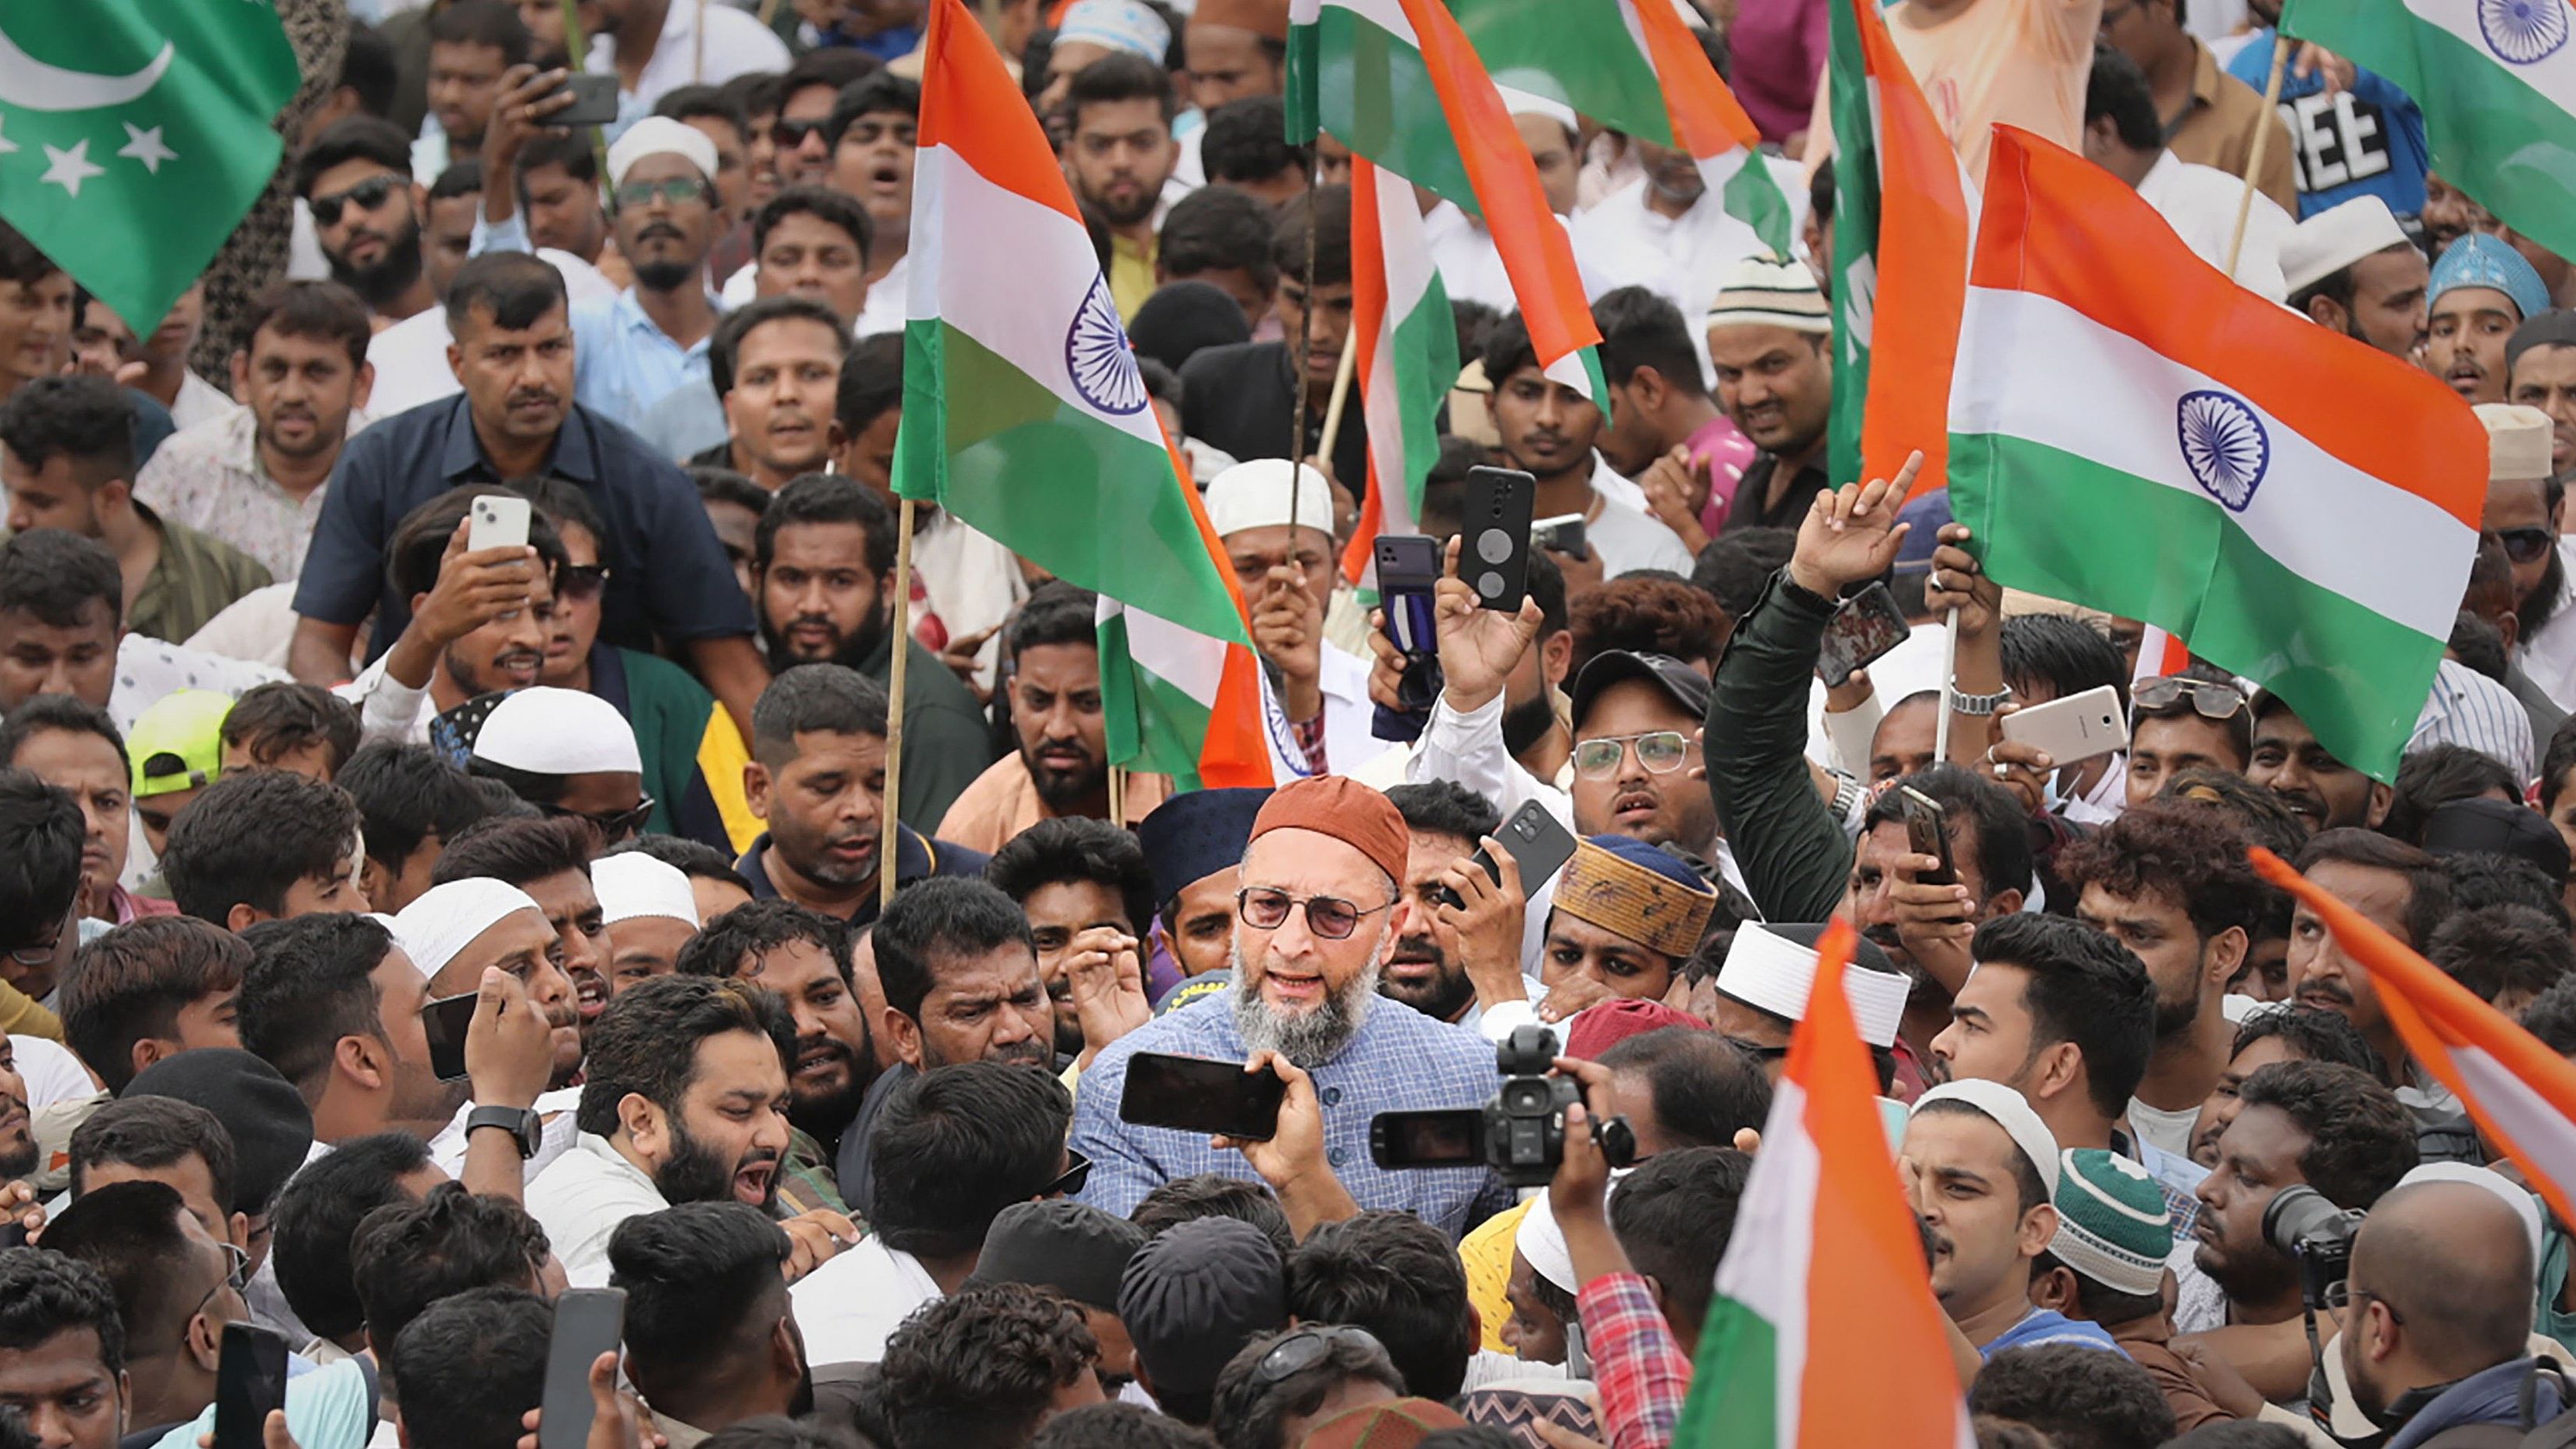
{"x":946,"y":742}
{"x":1794,"y":854}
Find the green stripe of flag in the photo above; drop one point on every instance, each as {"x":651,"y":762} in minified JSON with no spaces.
{"x":1425,"y":347}
{"x":1033,"y":472}
{"x":2492,"y":133}
{"x":1735,"y":1383}
{"x":1153,"y":725}
{"x":1370,"y":89}
{"x":2067,"y":527}
{"x":1855,"y":269}
{"x":1575,"y":51}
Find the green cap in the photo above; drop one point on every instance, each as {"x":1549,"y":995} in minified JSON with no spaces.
{"x":178,"y":744}
{"x":2112,"y":1224}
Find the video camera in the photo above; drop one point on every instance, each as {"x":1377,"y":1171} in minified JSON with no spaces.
{"x":2303,"y":1226}
{"x":1520,"y":1133}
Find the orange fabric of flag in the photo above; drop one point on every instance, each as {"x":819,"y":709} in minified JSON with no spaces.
{"x":1534,"y":246}
{"x":1923,"y":231}
{"x":2521,"y":1094}
{"x":1707,"y":118}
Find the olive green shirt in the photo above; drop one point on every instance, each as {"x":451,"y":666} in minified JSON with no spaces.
{"x":196,"y":578}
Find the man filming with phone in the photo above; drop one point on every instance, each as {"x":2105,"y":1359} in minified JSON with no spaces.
{"x":1314,"y":926}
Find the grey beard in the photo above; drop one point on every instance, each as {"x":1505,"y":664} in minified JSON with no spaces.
{"x":1311,"y":1038}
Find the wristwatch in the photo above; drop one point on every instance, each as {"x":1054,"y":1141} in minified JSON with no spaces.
{"x":1977,"y":705}
{"x":522,"y":1123}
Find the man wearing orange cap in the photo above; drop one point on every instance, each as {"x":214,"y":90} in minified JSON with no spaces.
{"x":1312,"y":930}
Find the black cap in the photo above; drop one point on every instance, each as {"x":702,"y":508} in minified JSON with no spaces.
{"x":2495,"y":827}
{"x":1072,"y":1247}
{"x":272,"y":1129}
{"x":1195,"y":834}
{"x":1195,"y":1295}
{"x":1683,"y":685}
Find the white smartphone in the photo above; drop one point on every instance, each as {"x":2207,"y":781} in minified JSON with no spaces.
{"x":2077,"y":727}
{"x":500,"y":521}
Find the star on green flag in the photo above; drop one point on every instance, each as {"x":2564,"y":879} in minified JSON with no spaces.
{"x":135,"y":133}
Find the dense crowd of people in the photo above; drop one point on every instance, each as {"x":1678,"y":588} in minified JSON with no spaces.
{"x":405,"y":928}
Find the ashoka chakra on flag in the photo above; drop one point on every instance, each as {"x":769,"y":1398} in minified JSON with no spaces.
{"x":1099,"y":359}
{"x":2521,"y":32}
{"x":2224,"y":446}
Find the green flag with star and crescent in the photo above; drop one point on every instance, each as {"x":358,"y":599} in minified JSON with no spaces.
{"x":135,"y":133}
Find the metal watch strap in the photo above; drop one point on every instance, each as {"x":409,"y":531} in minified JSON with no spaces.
{"x":1962,"y":702}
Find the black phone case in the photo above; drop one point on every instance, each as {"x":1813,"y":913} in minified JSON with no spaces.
{"x":1493,"y":552}
{"x":1214,"y":1097}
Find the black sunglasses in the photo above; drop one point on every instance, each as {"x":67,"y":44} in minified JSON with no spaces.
{"x":1077,"y":1171}
{"x":581,"y":581}
{"x":2525,"y":545}
{"x":789,"y":135}
{"x":1306,"y":1347}
{"x":613,"y":825}
{"x":368,"y":194}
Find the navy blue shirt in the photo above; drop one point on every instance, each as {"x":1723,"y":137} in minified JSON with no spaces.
{"x":667,"y":573}
{"x":917,"y":857}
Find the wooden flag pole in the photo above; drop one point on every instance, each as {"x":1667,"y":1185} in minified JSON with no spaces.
{"x":887,"y":823}
{"x":1342,"y":373}
{"x":1949,"y":687}
{"x":1118,"y":796}
{"x":2262,"y":140}
{"x":1305,"y":339}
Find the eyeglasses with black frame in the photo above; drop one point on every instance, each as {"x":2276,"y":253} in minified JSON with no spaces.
{"x":1329,"y":917}
{"x":613,"y":825}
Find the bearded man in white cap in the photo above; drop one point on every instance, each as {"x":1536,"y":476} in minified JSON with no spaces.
{"x":2352,"y":268}
{"x":455,"y":930}
{"x":1316,"y":704}
{"x":1981,"y":1170}
{"x":2522,"y":511}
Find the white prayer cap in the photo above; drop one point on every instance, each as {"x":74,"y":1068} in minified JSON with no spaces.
{"x":1255,"y":495}
{"x":1523,"y":102}
{"x":2524,"y":1205}
{"x":657,"y":135}
{"x":1760,"y":292}
{"x":2517,"y":441}
{"x":2335,"y":238}
{"x":549,"y":731}
{"x":1541,"y":1241}
{"x":1769,"y":969}
{"x":1120,"y":25}
{"x":632,"y":884}
{"x":444,"y":920}
{"x":2009,"y":1110}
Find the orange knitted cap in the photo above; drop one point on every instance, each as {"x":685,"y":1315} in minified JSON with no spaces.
{"x":1345,"y":809}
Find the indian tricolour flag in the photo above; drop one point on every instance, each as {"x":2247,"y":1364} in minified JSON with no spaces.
{"x":1634,"y":66}
{"x":1824,"y":1270}
{"x":1026,"y":416}
{"x":2521,"y":1093}
{"x":1902,"y":228}
{"x":2497,"y":81}
{"x":1398,"y":82}
{"x":2131,"y":431}
{"x":1408,"y":354}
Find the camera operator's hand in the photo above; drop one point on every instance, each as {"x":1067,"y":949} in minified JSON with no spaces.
{"x":1570,"y":995}
{"x":1293,"y":1161}
{"x":1575,"y":1196}
{"x":1934,"y":922}
{"x":1478,"y":647}
{"x":1484,"y":934}
{"x":1851,"y":534}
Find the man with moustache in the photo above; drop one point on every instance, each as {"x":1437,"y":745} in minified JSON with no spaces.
{"x":2540,"y":372}
{"x":478,"y":620}
{"x":775,"y":367}
{"x":1314,"y":929}
{"x":1087,"y":892}
{"x":2524,"y":491}
{"x":1980,"y":1170}
{"x":817,"y":779}
{"x":2353,"y":269}
{"x":549,"y":859}
{"x":2324,"y":792}
{"x":1445,"y":822}
{"x":959,"y":968}
{"x":1233,"y":397}
{"x":1062,"y":766}
{"x":1119,"y":155}
{"x":456,"y":929}
{"x":684,"y":1100}
{"x":822,"y":566}
{"x":512,"y":350}
{"x":2481,"y":290}
{"x":803,"y":956}
{"x":1768,"y":342}
{"x":367,"y":211}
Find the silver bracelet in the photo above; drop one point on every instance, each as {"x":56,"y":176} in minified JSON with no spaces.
{"x":1976,"y":705}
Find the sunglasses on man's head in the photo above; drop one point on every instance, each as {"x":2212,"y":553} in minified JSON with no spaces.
{"x":2525,"y":545}
{"x":2212,"y":698}
{"x":368,"y":195}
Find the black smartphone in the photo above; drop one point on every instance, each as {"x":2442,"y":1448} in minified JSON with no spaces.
{"x":1494,"y":555}
{"x":1439,"y":1137}
{"x":1408,"y":569}
{"x":250,"y":1380}
{"x":1197,"y":1094}
{"x":1864,"y":628}
{"x":1539,"y":846}
{"x":594,"y":101}
{"x":1927,"y":833}
{"x":445,"y":1022}
{"x":588,"y":1323}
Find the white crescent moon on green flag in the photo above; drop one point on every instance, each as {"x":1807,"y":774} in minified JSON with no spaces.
{"x":31,"y":85}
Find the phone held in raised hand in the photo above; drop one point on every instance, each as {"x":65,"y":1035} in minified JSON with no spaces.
{"x":1198,"y":1094}
{"x":1494,"y":544}
{"x":2077,"y":727}
{"x":1927,"y":833}
{"x":1539,"y":846}
{"x":444,"y":1022}
{"x":499,"y":521}
{"x":588,"y":1323}
{"x":1864,"y":629}
{"x":1408,"y":570}
{"x":250,"y":1380}
{"x":594,"y":101}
